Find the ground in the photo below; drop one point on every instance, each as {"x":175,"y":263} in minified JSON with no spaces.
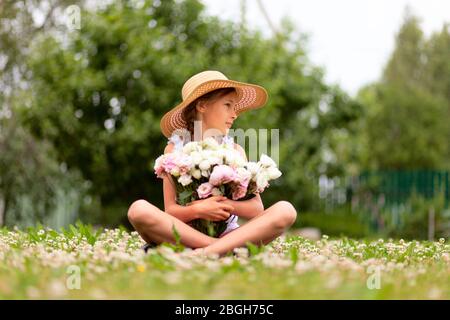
{"x":80,"y":263}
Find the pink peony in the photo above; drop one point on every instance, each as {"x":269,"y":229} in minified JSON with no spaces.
{"x":204,"y":190}
{"x":178,"y":162}
{"x":169,"y":162}
{"x":184,"y":163}
{"x":222,"y":174}
{"x":243,"y":177}
{"x":159,"y":166}
{"x":239,"y":192}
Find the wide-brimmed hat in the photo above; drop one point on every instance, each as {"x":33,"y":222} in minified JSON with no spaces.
{"x":250,"y":96}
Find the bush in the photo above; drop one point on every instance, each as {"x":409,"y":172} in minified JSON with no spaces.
{"x":411,"y":220}
{"x":340,"y":222}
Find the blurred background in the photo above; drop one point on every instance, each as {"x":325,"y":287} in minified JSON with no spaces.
{"x":360,"y":91}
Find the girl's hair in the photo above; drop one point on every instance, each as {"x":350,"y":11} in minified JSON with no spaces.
{"x":190,"y":112}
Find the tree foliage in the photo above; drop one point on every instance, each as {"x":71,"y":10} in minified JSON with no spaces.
{"x":97,"y":94}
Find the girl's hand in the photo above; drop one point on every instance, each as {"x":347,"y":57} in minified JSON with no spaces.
{"x":212,"y":208}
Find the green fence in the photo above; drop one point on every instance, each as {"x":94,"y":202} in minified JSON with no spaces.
{"x":397,"y":186}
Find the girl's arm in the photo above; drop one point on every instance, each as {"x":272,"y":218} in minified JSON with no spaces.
{"x":247,"y":209}
{"x":183,"y":213}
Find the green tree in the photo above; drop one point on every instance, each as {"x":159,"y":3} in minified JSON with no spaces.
{"x":407,"y":125}
{"x":98,"y":96}
{"x":34,"y":186}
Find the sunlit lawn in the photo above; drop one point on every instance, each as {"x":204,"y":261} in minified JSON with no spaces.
{"x":44,"y":264}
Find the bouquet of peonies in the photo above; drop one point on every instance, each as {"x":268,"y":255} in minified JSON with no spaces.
{"x":206,"y":168}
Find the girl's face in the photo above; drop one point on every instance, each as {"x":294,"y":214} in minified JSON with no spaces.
{"x":219,"y":114}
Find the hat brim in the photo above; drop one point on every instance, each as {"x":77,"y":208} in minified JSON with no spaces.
{"x":250,"y":96}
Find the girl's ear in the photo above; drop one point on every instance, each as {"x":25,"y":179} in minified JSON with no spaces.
{"x":201,"y":106}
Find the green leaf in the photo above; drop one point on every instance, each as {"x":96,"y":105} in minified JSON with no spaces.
{"x":178,"y":245}
{"x":253,"y":249}
{"x":293,"y":253}
{"x":184,"y":196}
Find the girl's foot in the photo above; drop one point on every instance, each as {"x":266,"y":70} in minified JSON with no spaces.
{"x":199,"y":252}
{"x":149,"y":245}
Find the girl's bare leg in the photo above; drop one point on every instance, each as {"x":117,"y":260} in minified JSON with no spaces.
{"x":259,"y":230}
{"x":155,"y":225}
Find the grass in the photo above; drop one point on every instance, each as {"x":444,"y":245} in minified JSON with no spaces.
{"x":82,"y":263}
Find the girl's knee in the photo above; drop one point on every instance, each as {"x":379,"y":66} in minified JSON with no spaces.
{"x":286,"y":213}
{"x":139,"y":211}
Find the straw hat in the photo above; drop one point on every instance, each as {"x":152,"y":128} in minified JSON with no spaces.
{"x":250,"y":96}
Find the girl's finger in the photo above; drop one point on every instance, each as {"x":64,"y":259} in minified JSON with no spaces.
{"x":227,"y":207}
{"x":226,"y":214}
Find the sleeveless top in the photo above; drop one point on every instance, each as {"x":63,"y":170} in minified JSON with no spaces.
{"x":179,"y":142}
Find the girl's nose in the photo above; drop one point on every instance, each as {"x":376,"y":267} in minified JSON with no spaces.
{"x":233,"y":114}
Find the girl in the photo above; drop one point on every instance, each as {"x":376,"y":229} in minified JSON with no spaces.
{"x":213,"y":101}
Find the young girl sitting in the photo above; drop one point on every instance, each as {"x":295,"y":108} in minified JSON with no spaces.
{"x":213,"y":101}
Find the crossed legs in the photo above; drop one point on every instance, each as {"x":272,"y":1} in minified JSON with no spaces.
{"x":156,"y":225}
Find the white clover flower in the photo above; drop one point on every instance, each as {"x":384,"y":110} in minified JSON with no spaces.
{"x":185,"y":179}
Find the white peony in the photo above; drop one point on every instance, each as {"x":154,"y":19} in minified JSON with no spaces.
{"x":190,"y":147}
{"x":261,"y":182}
{"x":273,"y":173}
{"x":214,"y":159}
{"x":185,"y":179}
{"x":196,"y":158}
{"x":239,"y":161}
{"x":204,"y":165}
{"x":243,"y":174}
{"x":253,"y":168}
{"x":230,"y":158}
{"x":267,"y":161}
{"x":175,"y":172}
{"x":210,"y":143}
{"x":196,"y":173}
{"x":205,"y":173}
